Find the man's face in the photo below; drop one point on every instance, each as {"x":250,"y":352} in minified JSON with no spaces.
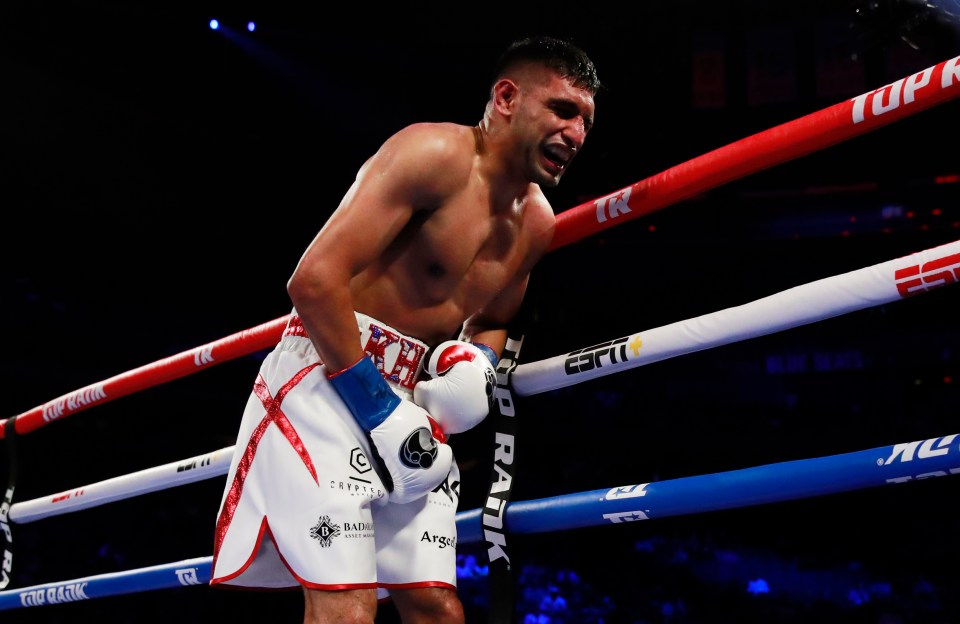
{"x":554,"y":119}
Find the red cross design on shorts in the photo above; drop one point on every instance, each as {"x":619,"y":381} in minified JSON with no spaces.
{"x":274,"y":416}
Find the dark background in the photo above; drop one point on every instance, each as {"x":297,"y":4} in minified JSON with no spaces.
{"x":159,"y":181}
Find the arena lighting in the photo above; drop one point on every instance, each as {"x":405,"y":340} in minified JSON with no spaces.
{"x":215,"y":25}
{"x":758,"y":586}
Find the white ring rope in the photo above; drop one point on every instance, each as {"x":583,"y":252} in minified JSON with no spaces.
{"x":827,"y":298}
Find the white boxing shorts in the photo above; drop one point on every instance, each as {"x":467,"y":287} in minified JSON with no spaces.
{"x":303,"y":503}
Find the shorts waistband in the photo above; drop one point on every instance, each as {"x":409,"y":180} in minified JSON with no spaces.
{"x":399,"y":358}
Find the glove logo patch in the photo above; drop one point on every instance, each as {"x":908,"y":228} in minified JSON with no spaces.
{"x":419,"y":449}
{"x":491,"y":384}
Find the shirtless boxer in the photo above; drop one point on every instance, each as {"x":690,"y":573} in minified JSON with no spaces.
{"x":342,"y":481}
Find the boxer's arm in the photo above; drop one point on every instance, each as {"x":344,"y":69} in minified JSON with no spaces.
{"x":462,"y":373}
{"x":488,"y":326}
{"x":391,"y":186}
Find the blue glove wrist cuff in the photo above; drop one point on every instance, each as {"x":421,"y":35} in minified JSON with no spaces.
{"x":487,"y":351}
{"x":366,"y":393}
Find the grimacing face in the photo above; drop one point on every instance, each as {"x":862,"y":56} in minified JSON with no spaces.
{"x":556,"y":117}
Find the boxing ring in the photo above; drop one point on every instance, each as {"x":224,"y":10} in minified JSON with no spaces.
{"x":894,"y":280}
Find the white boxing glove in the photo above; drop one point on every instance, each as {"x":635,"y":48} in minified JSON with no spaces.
{"x":460,"y":392}
{"x":415,"y":459}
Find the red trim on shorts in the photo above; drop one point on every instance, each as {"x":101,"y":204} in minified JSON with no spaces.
{"x":295,"y":327}
{"x":256,"y":548}
{"x":420,"y":585}
{"x":340,"y":587}
{"x":276,"y":416}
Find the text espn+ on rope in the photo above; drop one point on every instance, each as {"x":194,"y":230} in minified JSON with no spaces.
{"x":589,"y":358}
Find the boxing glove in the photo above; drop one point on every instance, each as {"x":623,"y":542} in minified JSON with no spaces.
{"x":459,"y":393}
{"x":402,"y":432}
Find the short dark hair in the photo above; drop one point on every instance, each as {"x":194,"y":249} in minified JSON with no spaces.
{"x":560,"y":55}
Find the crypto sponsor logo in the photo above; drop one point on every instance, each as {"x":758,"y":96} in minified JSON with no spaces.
{"x":917,"y":278}
{"x":362,"y":488}
{"x":324,"y":531}
{"x":359,"y":461}
{"x":440,"y":541}
{"x":612,"y":352}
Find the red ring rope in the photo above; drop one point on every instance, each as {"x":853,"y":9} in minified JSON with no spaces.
{"x":864,"y":113}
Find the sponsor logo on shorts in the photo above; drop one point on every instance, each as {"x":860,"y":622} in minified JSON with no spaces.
{"x":354,"y":530}
{"x":359,"y":461}
{"x":324,"y":531}
{"x":441,"y":541}
{"x":357,"y":489}
{"x":448,"y":487}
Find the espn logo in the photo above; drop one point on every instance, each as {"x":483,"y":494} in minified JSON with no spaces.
{"x":583,"y":360}
{"x":918,"y":278}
